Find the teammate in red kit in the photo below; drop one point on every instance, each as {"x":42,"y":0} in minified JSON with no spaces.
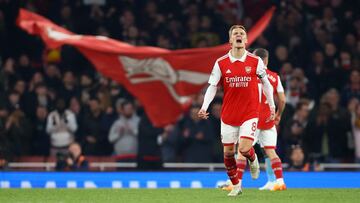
{"x":238,"y":72}
{"x":266,"y":133}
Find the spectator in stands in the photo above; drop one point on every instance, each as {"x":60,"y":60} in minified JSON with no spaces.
{"x":295,"y":127}
{"x":316,"y":137}
{"x":86,"y":86}
{"x":69,"y":88}
{"x":24,"y":68}
{"x":124,"y":132}
{"x":40,"y":140}
{"x":197,"y":138}
{"x":169,"y":142}
{"x":94,"y":132}
{"x":329,"y":22}
{"x":339,"y":128}
{"x":61,"y":126}
{"x":352,"y":88}
{"x":75,"y":107}
{"x":38,"y":78}
{"x":149,"y":151}
{"x":354,"y":109}
{"x":4,"y":113}
{"x":298,"y":160}
{"x":20,"y":87}
{"x":66,"y":15}
{"x":117,"y":91}
{"x":281,"y":56}
{"x":293,"y":91}
{"x":5,"y":151}
{"x":215,"y":116}
{"x":38,"y":97}
{"x":297,"y":88}
{"x":7,"y":74}
{"x":13,"y":101}
{"x":53,"y":77}
{"x":285,"y":73}
{"x":318,"y":73}
{"x":3,"y":164}
{"x":19,"y":133}
{"x":73,"y":160}
{"x":105,"y":100}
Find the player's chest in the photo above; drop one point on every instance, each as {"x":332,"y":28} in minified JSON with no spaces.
{"x":238,"y":69}
{"x":238,"y":75}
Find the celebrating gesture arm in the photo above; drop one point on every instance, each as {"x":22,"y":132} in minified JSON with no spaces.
{"x":209,"y":96}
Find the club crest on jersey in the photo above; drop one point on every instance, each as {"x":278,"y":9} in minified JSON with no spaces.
{"x":248,"y":69}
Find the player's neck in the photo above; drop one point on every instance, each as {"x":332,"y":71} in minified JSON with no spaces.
{"x":237,"y":52}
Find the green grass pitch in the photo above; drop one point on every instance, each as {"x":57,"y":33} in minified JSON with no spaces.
{"x":175,"y":195}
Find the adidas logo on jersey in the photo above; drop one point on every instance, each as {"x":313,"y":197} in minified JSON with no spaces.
{"x":228,"y":71}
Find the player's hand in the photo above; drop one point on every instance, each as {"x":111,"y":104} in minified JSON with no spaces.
{"x":272,"y":114}
{"x":203,"y":114}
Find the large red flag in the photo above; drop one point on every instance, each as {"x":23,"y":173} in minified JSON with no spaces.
{"x":162,"y":80}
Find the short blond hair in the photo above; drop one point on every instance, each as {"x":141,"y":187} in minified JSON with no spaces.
{"x":236,"y":26}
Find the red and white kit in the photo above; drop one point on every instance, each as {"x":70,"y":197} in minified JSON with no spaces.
{"x":240,"y":110}
{"x":266,"y":132}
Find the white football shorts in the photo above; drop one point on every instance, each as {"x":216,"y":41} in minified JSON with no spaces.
{"x":266,"y":138}
{"x":230,"y":134}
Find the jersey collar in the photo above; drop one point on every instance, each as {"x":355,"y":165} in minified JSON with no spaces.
{"x":233,"y":59}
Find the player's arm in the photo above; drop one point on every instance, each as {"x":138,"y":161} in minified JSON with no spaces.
{"x":210,"y":91}
{"x":267,"y":87}
{"x":281,"y":101}
{"x":209,"y":96}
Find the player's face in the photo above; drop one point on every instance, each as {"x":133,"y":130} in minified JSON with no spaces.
{"x":238,"y":38}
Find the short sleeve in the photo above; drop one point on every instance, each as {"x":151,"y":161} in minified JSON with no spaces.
{"x":215,"y":74}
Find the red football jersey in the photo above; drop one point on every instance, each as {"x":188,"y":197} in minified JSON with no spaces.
{"x":241,"y":92}
{"x":264,"y":105}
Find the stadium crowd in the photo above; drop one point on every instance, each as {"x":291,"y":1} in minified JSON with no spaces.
{"x":51,"y":98}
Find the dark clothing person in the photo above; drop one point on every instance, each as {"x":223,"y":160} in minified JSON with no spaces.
{"x":197,"y":137}
{"x":217,"y":151}
{"x":149,"y":151}
{"x":94,"y":136}
{"x":79,"y":164}
{"x":41,"y":140}
{"x":18,"y":132}
{"x":73,"y":160}
{"x":339,"y":127}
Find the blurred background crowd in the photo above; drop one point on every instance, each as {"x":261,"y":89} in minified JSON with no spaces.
{"x":52,"y":98}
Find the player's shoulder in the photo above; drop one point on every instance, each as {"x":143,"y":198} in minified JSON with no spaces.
{"x":272,"y":72}
{"x":222,"y":58}
{"x":273,"y":76}
{"x":252,"y":55}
